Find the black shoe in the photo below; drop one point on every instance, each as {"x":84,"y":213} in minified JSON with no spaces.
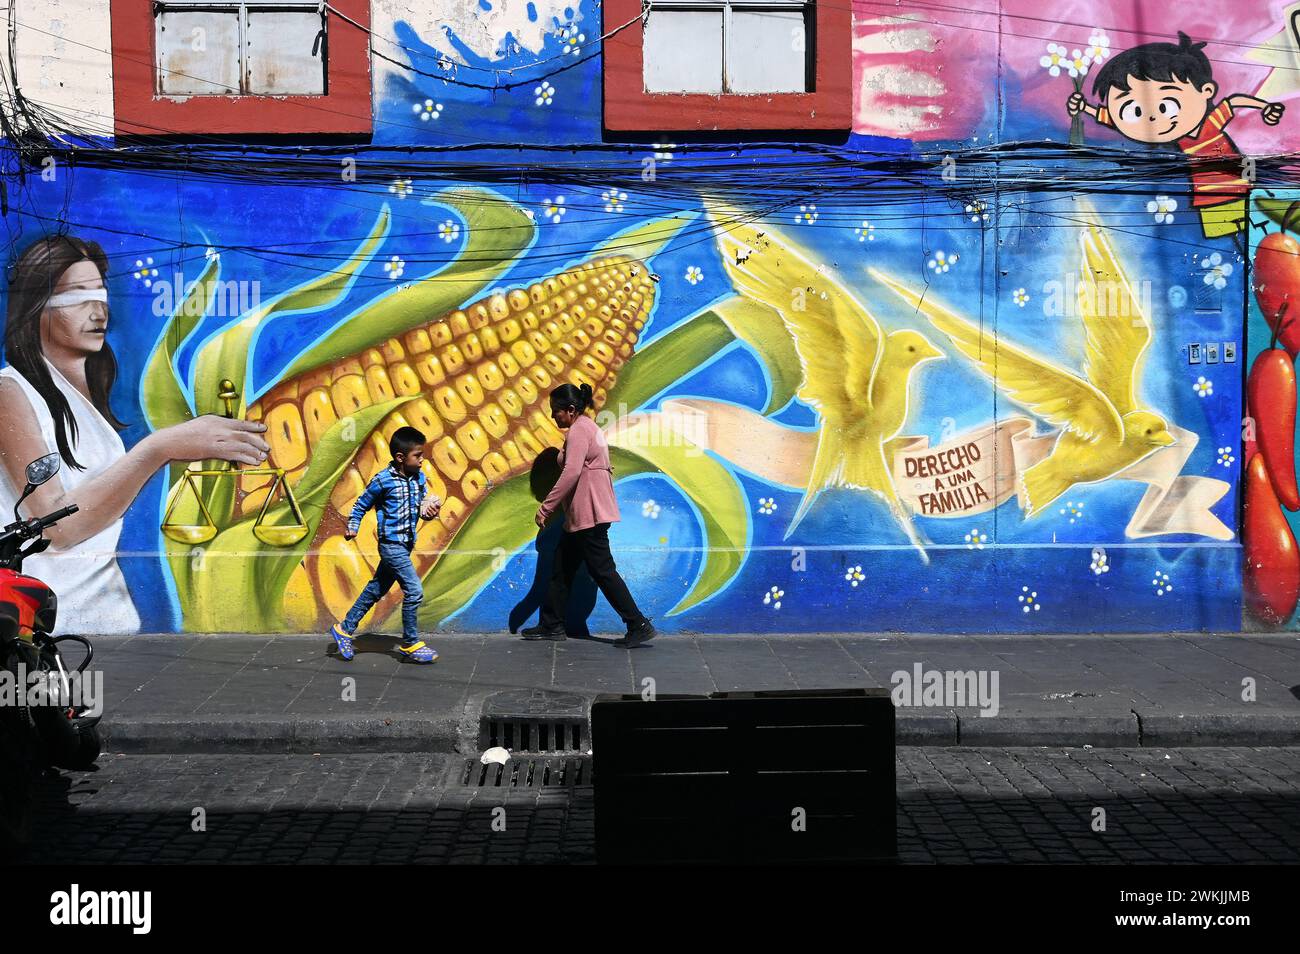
{"x":642,"y":632}
{"x":555,"y":633}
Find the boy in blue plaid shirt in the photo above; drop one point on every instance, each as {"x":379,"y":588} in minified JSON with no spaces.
{"x":398,"y":495}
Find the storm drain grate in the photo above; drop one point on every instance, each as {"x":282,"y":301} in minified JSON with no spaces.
{"x":533,"y":735}
{"x":554,"y":772}
{"x":534,"y":720}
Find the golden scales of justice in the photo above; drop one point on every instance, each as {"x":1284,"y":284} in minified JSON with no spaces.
{"x":275,"y":535}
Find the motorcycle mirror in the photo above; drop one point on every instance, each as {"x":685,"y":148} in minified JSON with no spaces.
{"x":42,"y":469}
{"x":38,"y":472}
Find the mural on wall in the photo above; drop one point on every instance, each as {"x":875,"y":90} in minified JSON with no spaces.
{"x":1271,"y":577}
{"x":989,"y":394}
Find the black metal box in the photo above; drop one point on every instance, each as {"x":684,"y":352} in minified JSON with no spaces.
{"x":757,"y":777}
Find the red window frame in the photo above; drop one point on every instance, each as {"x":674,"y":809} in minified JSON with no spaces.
{"x":629,"y":108}
{"x":139,"y":110}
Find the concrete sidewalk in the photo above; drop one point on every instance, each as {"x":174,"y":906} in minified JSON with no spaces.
{"x":219,"y":693}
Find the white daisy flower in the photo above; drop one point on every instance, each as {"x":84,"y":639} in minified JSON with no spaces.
{"x":941,"y":262}
{"x":613,"y":200}
{"x":1028,"y":600}
{"x":773,"y":597}
{"x":554,"y":209}
{"x":650,"y":509}
{"x":1020,"y":297}
{"x":1216,"y":270}
{"x":544,"y":95}
{"x":1202,"y":387}
{"x":1163,"y":208}
{"x":694,"y":275}
{"x":1054,"y":59}
{"x":976,"y":539}
{"x":401,"y":188}
{"x":866,"y":232}
{"x":766,"y":505}
{"x":854,"y":575}
{"x":427,"y":110}
{"x":449,"y":230}
{"x":1226,"y":457}
{"x":394,"y":267}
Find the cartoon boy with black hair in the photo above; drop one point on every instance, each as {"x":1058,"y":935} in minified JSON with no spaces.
{"x":1164,"y":93}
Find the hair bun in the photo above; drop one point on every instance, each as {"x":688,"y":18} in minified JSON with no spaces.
{"x":586,"y":390}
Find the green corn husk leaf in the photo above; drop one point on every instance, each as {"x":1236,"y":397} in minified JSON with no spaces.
{"x":503,"y":521}
{"x":646,"y":240}
{"x":162,"y":397}
{"x":678,"y":352}
{"x":498,"y":234}
{"x":226,"y":356}
{"x":242,"y":581}
{"x":1276,"y":209}
{"x":707,"y":484}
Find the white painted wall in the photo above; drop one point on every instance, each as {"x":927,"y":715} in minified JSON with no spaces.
{"x":64,"y":59}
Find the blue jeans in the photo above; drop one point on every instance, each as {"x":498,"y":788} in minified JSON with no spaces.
{"x":394,"y":567}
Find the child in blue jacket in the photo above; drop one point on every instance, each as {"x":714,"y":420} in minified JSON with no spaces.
{"x":398,"y":495}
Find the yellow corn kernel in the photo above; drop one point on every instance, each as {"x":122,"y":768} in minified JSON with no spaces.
{"x":393,"y":351}
{"x":552,"y":330}
{"x":498,"y":306}
{"x":423,"y":417}
{"x":479,"y":317}
{"x":509,"y":366}
{"x":347,"y":490}
{"x":449,"y":458}
{"x":510,"y":402}
{"x":518,"y":299}
{"x":496,"y":467}
{"x":430,"y":370}
{"x":523,"y":352}
{"x":509,"y":330}
{"x":539,"y":341}
{"x":389,"y":425}
{"x":473,"y":440}
{"x":527,"y":389}
{"x":349,"y":394}
{"x":453,"y":509}
{"x":578,"y":379}
{"x":417,"y":342}
{"x":458,"y":321}
{"x":490,"y":376}
{"x":299,"y":609}
{"x":284,"y":432}
{"x":601,"y":351}
{"x":342,"y":573}
{"x":250,"y":482}
{"x":433,"y":482}
{"x":404,"y":379}
{"x":367,"y":540}
{"x":528,"y":445}
{"x":580,"y":339}
{"x":371,"y":358}
{"x":592,"y":367}
{"x":472,"y":486}
{"x":529,"y":320}
{"x":252,"y":503}
{"x":440,"y":334}
{"x":493,"y":420}
{"x":472,"y":347}
{"x":566,"y":351}
{"x":554,"y":363}
{"x":540,"y":377}
{"x":318,"y":415}
{"x":491,"y":341}
{"x":449,"y":405}
{"x":513,"y":457}
{"x":452,"y":359}
{"x":468,"y":387}
{"x":377,"y":382}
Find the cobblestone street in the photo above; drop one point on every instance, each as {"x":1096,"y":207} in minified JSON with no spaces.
{"x":956,"y":805}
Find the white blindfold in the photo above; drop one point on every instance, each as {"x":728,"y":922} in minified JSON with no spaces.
{"x":78,"y":296}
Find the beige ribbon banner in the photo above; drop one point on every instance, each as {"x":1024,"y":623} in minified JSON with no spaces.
{"x":966,"y":475}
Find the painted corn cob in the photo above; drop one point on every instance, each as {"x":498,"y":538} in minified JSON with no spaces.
{"x":478,"y":380}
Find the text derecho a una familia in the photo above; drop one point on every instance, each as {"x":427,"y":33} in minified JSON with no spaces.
{"x":955,"y":485}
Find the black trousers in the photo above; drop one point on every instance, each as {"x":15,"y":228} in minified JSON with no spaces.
{"x":591,"y":547}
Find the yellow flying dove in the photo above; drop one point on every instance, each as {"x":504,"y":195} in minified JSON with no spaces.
{"x":1104,"y":429}
{"x":854,"y":375}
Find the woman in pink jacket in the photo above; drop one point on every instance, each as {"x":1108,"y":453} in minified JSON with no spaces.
{"x":586,"y":491}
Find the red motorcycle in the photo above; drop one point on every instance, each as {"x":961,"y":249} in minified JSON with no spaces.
{"x":46,"y":726}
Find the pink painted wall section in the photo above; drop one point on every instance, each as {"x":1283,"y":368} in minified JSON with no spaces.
{"x":928,"y":71}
